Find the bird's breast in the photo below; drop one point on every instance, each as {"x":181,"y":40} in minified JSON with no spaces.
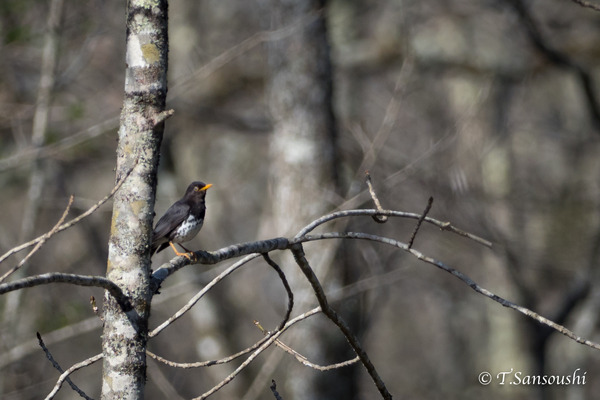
{"x":188,"y":229}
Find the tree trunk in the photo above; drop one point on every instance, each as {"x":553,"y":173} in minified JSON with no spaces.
{"x":302,"y":176}
{"x":140,"y":134}
{"x":302,"y":147}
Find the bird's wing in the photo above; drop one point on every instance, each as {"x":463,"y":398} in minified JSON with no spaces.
{"x":174,"y":216}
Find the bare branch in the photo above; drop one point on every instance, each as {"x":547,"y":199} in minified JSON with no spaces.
{"x":68,"y":224}
{"x":464,"y":278}
{"x":40,"y":243}
{"x":213,"y":257}
{"x":59,"y":368}
{"x":302,"y":262}
{"x":242,"y":249}
{"x":419,"y":222}
{"x":265,"y":246}
{"x":203,"y":257}
{"x":81,"y":280}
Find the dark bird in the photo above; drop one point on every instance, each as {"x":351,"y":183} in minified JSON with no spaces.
{"x":182,"y":221}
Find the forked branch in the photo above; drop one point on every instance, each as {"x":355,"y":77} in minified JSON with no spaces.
{"x":65,"y":374}
{"x":302,"y":262}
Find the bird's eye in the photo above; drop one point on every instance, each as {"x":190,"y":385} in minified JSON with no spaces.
{"x":196,"y":188}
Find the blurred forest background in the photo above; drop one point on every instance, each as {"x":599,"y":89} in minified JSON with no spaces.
{"x":489,"y":106}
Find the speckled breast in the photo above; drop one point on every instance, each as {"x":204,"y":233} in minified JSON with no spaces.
{"x":188,"y":229}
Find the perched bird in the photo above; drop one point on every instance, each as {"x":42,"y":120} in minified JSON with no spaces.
{"x":182,"y":221}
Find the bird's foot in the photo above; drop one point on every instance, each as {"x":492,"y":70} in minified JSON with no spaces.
{"x":190,"y":255}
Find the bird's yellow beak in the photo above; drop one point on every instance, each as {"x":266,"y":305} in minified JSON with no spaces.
{"x":206,"y":187}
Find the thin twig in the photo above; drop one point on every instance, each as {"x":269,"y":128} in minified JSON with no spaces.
{"x":59,"y":368}
{"x":95,"y":308}
{"x":68,"y":224}
{"x":162,"y":116}
{"x":40,"y":243}
{"x":302,"y":359}
{"x":80,"y":280}
{"x":302,"y":262}
{"x":419,"y":222}
{"x":377,"y":218}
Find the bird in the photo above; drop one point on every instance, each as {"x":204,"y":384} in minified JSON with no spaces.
{"x":182,"y":221}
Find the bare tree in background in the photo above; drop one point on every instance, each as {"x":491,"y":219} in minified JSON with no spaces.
{"x":302,"y":168}
{"x":39,"y":170}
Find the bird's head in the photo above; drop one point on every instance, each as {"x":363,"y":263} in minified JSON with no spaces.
{"x":197,"y":189}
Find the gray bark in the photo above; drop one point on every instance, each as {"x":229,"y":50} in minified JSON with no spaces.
{"x":140,"y":134}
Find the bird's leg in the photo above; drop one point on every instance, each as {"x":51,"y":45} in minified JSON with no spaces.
{"x":189,"y":254}
{"x":183,"y":247}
